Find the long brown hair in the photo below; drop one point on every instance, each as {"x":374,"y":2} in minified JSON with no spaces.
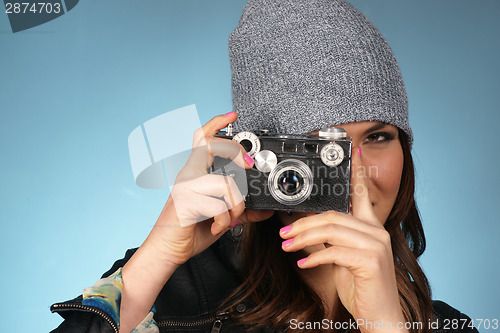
{"x":273,"y":283}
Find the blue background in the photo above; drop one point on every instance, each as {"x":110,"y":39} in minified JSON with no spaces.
{"x":73,"y":89}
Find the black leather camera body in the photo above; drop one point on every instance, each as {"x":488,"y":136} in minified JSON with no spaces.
{"x":306,"y":173}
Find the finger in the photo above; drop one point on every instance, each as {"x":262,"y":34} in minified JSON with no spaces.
{"x":326,"y":218}
{"x":202,"y":158}
{"x":209,"y":185}
{"x":235,"y":204}
{"x":205,"y":207}
{"x":235,"y":214}
{"x":230,"y":149}
{"x":254,"y":215}
{"x":225,"y":224}
{"x":362,"y":207}
{"x":212,"y":127}
{"x":219,"y":186}
{"x":204,"y":188}
{"x":352,"y":259}
{"x":221,"y":223}
{"x":332,"y":234}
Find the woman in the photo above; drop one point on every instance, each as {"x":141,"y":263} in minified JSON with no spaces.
{"x":297,"y":66}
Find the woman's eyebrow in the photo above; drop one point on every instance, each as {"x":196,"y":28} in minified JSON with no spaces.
{"x":377,"y":126}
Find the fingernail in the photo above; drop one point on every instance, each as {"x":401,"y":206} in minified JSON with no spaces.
{"x":359,"y":151}
{"x":301,"y":261}
{"x":229,"y":113}
{"x":249,"y":159}
{"x":287,"y":242}
{"x":286,"y":229}
{"x":234,"y":223}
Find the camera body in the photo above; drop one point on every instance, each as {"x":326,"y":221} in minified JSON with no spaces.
{"x":307,"y":173}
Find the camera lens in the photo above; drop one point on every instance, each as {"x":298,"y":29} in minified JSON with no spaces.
{"x":290,"y":182}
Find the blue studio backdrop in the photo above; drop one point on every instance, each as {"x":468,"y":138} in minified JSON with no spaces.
{"x":73,"y":88}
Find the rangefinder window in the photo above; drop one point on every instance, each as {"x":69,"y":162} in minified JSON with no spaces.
{"x":311,"y":148}
{"x":290,"y":147}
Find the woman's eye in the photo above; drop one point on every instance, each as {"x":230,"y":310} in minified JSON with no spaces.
{"x":379,"y":137}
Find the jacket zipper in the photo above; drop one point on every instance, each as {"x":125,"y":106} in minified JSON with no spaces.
{"x":70,"y":306}
{"x":216,"y":327}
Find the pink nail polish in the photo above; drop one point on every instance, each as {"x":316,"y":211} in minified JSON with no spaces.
{"x":229,"y":113}
{"x":249,"y":159}
{"x":359,"y":151}
{"x":287,"y":242}
{"x":286,"y":229}
{"x":301,"y":261}
{"x":234,"y":223}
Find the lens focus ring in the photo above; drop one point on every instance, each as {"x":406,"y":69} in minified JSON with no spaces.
{"x":290,"y":182}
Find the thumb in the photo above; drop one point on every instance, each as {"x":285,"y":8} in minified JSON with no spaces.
{"x":253,"y":215}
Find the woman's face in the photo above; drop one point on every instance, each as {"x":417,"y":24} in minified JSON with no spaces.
{"x":382,"y":164}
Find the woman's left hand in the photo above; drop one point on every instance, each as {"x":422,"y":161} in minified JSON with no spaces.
{"x":359,"y":248}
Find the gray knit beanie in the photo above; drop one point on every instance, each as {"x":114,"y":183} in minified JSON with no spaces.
{"x":300,"y":65}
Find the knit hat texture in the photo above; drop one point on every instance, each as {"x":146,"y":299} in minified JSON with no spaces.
{"x":301,"y":65}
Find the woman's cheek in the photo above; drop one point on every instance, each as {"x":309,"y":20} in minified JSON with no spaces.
{"x":384,"y":181}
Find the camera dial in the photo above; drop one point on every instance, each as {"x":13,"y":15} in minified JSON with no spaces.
{"x":265,"y":160}
{"x":332,"y":154}
{"x":249,"y":141}
{"x":333,"y":133}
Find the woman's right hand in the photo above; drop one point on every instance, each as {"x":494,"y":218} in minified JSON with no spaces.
{"x":202,"y":206}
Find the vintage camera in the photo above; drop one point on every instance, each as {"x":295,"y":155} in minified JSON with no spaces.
{"x":307,"y":173}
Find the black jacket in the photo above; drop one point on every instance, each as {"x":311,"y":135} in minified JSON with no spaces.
{"x":189,"y":300}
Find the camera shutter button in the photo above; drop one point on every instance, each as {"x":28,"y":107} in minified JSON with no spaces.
{"x":333,"y":133}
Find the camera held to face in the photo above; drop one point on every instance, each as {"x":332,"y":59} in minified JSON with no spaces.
{"x":307,"y":173}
